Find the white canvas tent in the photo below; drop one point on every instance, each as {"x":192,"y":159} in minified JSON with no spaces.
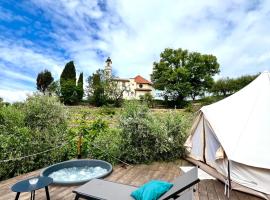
{"x":231,"y":138}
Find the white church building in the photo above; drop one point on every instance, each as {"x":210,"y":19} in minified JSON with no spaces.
{"x":133,"y":87}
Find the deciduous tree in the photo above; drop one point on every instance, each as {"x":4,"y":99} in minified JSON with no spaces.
{"x":96,"y":87}
{"x":102,"y":90}
{"x":44,"y":79}
{"x":180,"y":73}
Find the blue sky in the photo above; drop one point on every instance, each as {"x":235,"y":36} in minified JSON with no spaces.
{"x":45,"y":34}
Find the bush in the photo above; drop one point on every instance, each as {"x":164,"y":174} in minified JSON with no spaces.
{"x":106,"y":146}
{"x":147,"y":138}
{"x":44,"y":113}
{"x":98,"y":141}
{"x":148,"y":99}
{"x":171,"y":129}
{"x":35,"y":126}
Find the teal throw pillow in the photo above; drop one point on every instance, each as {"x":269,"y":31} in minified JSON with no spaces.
{"x":151,"y":190}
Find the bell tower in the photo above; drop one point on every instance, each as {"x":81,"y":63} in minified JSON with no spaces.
{"x":108,"y":68}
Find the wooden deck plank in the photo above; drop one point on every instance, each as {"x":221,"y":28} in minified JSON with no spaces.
{"x":219,"y":187}
{"x":203,"y":190}
{"x":212,"y":195}
{"x":132,"y":175}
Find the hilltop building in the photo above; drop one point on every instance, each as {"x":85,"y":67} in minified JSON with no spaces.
{"x":133,"y":87}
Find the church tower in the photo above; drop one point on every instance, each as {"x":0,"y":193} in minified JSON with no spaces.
{"x":108,"y":68}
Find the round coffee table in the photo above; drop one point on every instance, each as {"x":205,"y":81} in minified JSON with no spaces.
{"x":25,"y":186}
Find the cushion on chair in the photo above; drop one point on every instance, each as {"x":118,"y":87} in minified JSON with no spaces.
{"x":151,"y":190}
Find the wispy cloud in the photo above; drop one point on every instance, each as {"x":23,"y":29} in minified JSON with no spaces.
{"x":133,"y":33}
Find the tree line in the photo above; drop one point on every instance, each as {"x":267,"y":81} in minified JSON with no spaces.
{"x":179,"y":75}
{"x":227,"y":86}
{"x":67,"y":88}
{"x":99,"y":90}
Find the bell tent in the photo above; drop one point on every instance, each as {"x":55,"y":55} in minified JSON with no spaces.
{"x":230,"y":139}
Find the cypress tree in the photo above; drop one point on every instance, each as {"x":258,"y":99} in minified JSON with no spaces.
{"x":80,"y":87}
{"x":68,"y":83}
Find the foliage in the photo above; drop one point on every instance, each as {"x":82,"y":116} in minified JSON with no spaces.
{"x":148,"y":99}
{"x":242,"y":81}
{"x":44,"y":113}
{"x":54,"y":88}
{"x":107,"y":110}
{"x":35,"y":126}
{"x":106,"y":146}
{"x":44,"y":79}
{"x":99,"y":141}
{"x":180,"y":73}
{"x":228,"y":86}
{"x":104,"y":91}
{"x":115,"y":92}
{"x":136,"y":135}
{"x":171,"y":127}
{"x":80,"y":87}
{"x":68,"y":84}
{"x":3,"y":103}
{"x":146,"y":137}
{"x":223,"y":87}
{"x":96,"y":86}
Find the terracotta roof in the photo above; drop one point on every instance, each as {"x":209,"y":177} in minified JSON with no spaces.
{"x":139,"y":79}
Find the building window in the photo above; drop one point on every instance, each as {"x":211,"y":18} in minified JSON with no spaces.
{"x":140,"y":86}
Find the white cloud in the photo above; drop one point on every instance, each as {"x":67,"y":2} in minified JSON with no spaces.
{"x":134,"y":33}
{"x":14,"y":95}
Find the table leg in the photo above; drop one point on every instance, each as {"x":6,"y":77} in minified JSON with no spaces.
{"x":31,"y":198}
{"x":47,"y":193}
{"x":17,"y":195}
{"x":34,"y":194}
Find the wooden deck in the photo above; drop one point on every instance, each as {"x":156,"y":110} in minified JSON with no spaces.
{"x":133,"y":175}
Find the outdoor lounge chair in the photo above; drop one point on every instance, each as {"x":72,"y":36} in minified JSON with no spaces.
{"x":97,"y":189}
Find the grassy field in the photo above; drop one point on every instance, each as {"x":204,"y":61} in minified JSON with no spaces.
{"x":111,"y":115}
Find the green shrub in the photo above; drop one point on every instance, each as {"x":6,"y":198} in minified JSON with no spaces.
{"x":136,"y":134}
{"x":148,"y":99}
{"x":35,"y":126}
{"x":106,"y":146}
{"x":147,"y":138}
{"x":171,"y":130}
{"x":106,"y":110}
{"x":45,"y":113}
{"x":98,"y":141}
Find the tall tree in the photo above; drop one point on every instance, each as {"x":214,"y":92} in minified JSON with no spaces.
{"x":114,"y":92}
{"x":101,"y":90}
{"x":44,"y":79}
{"x":180,"y":74}
{"x":96,"y":85}
{"x":80,"y":87}
{"x":68,"y":84}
